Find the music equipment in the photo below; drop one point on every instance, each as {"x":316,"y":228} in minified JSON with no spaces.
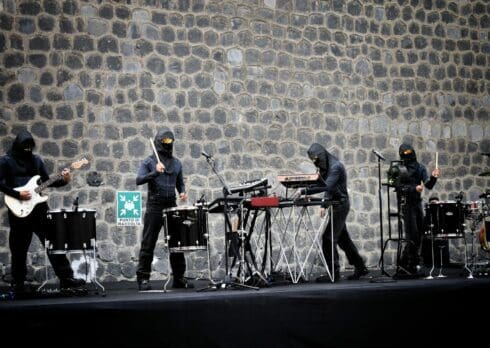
{"x":299,"y":180}
{"x":264,"y":202}
{"x":444,"y":220}
{"x":218,"y":205}
{"x":484,"y":240}
{"x":70,"y":230}
{"x":22,"y":208}
{"x":186,"y":227}
{"x":248,"y":186}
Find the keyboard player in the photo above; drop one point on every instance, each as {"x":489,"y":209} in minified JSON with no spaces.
{"x":334,"y":176}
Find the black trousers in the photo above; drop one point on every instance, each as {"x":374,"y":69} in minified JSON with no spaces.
{"x":413,"y":227}
{"x":21,"y":231}
{"x":341,"y":238}
{"x":153,"y":223}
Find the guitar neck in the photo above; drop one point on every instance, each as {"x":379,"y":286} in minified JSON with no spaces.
{"x":48,"y":182}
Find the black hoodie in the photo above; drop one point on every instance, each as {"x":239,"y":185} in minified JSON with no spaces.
{"x":417,"y":173}
{"x":19,"y":165}
{"x":332,"y":172}
{"x":161,"y":186}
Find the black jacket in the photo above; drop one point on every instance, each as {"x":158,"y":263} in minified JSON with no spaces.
{"x":333,"y":173}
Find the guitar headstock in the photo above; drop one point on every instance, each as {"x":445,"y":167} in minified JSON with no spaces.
{"x":80,"y":163}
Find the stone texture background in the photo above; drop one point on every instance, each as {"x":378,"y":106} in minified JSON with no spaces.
{"x":253,"y":82}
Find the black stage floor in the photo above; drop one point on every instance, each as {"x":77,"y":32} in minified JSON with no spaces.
{"x":441,"y":312}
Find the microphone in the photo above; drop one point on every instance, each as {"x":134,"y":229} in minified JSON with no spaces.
{"x":206,"y":155}
{"x":380,"y":156}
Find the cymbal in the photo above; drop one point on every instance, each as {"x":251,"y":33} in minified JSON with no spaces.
{"x":484,"y":174}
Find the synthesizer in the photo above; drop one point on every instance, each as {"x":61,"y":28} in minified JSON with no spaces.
{"x":299,"y":180}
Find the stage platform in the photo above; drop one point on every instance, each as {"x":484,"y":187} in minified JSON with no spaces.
{"x":445,"y":312}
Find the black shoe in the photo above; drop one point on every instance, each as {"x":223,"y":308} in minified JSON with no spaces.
{"x":72,"y":283}
{"x":20,"y":288}
{"x":182,"y":283}
{"x":144,"y":285}
{"x":358,"y":273}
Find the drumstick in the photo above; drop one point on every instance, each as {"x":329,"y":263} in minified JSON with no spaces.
{"x":156,"y":153}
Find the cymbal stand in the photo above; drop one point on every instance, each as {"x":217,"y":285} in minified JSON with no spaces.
{"x":474,"y":251}
{"x":242,"y":250}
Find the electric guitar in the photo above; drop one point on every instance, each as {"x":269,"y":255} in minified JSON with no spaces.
{"x":22,"y":208}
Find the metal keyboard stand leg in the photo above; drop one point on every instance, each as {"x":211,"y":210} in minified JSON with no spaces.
{"x":315,"y":241}
{"x":282,"y":235}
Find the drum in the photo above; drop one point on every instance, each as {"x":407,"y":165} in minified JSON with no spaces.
{"x":186,"y":228}
{"x":444,"y":220}
{"x":70,"y":230}
{"x":484,"y":240}
{"x":475,"y":208}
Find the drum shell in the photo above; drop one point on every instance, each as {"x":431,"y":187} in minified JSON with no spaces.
{"x":444,"y":220}
{"x":70,"y":230}
{"x":186,"y":228}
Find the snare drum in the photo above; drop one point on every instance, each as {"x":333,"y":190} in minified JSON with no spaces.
{"x":70,"y":230}
{"x":444,"y":220}
{"x":186,"y":228}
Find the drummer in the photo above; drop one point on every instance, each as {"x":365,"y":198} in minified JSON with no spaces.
{"x":163,"y":174}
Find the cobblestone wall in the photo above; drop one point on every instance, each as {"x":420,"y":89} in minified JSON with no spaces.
{"x":253,"y":82}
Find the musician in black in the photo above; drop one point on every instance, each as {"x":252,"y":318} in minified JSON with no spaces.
{"x":164,"y":177}
{"x":334,"y":176}
{"x":409,"y":196}
{"x":17,"y":167}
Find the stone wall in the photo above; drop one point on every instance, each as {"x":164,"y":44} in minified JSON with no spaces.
{"x":253,"y":82}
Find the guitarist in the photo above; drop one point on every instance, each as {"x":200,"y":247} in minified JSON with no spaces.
{"x":16,"y":168}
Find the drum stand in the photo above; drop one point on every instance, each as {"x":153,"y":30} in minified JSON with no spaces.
{"x":93,"y":268}
{"x":440,"y":275}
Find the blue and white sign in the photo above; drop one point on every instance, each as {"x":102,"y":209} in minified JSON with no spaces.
{"x":128,"y":208}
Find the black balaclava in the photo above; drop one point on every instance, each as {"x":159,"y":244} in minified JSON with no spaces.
{"x":21,"y":151}
{"x":407,"y":153}
{"x":164,"y":143}
{"x":409,"y":158}
{"x":319,"y":155}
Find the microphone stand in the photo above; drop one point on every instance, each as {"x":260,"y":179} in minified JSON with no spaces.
{"x":384,"y":277}
{"x":226,"y":191}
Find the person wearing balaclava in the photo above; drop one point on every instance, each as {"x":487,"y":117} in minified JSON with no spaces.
{"x":334,"y":185}
{"x":164,"y":177}
{"x":409,"y":196}
{"x":17,"y":167}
